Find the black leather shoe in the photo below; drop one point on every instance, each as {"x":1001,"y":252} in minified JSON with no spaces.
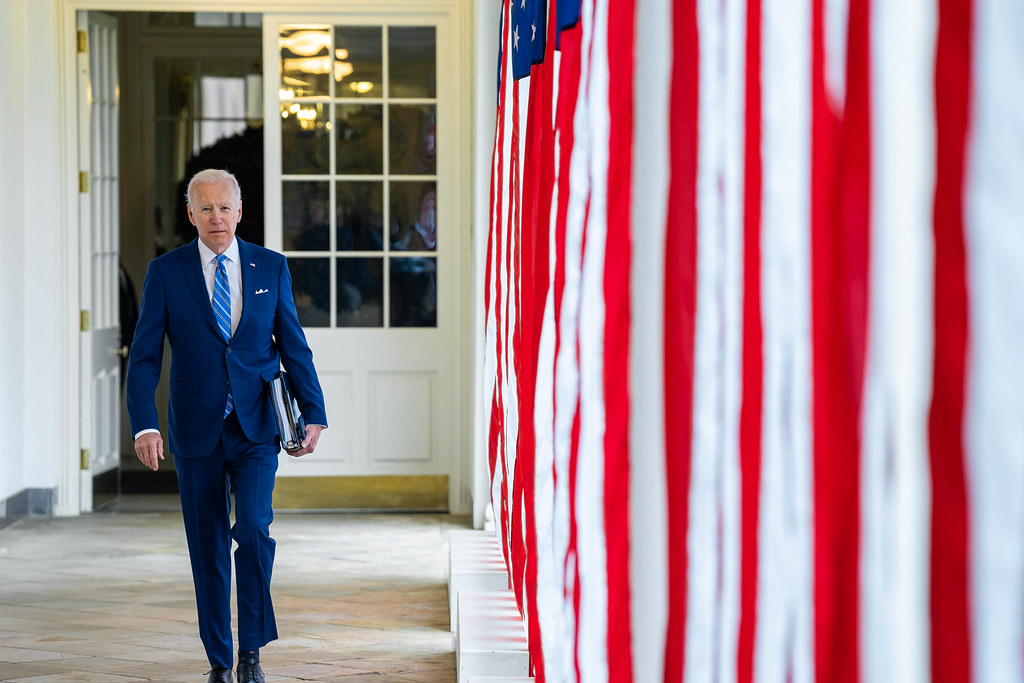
{"x":221,"y":675}
{"x":249,"y":670}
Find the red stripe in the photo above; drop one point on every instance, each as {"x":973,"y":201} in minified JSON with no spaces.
{"x":752,"y":359}
{"x":494,"y":251}
{"x":618,"y":252}
{"x":501,"y":318}
{"x":680,"y":316}
{"x":537,"y":216}
{"x":950,"y":616}
{"x":517,"y":549}
{"x":840,"y":230}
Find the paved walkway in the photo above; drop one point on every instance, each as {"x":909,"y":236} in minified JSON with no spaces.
{"x":108,"y":597}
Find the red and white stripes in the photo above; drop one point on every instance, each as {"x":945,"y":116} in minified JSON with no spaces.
{"x":753,"y":370}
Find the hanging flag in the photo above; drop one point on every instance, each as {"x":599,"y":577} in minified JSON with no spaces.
{"x":751,"y":360}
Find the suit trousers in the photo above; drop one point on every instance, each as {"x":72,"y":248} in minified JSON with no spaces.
{"x":245,"y":469}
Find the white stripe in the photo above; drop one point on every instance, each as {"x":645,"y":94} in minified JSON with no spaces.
{"x":785,"y":613}
{"x":648,"y":508}
{"x":713,"y":602}
{"x":994,"y":413}
{"x":566,"y":368}
{"x":734,"y":68}
{"x":590,"y":512}
{"x":550,"y":585}
{"x":894,"y":490}
{"x":837,"y":19}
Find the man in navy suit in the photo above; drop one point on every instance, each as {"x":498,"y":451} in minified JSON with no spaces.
{"x":220,"y":421}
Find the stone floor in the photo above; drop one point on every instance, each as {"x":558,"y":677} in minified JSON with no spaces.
{"x":107,"y":598}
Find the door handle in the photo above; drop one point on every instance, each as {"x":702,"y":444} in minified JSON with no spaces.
{"x":123,"y":352}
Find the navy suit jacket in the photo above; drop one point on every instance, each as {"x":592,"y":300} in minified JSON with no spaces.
{"x":176,"y":304}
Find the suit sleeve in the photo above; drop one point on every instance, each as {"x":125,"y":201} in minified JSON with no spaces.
{"x":296,"y":355}
{"x":146,"y":357}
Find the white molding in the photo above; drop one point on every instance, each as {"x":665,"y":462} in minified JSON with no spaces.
{"x":68,"y":400}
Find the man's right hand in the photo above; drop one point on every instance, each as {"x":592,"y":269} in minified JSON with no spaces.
{"x":150,"y":449}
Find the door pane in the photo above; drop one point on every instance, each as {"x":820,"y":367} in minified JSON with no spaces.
{"x":413,"y":216}
{"x":413,"y":284}
{"x":306,"y":216}
{"x":304,"y":138}
{"x":357,"y":61}
{"x":359,"y":137}
{"x":360,"y":292}
{"x":311,"y":287}
{"x":411,"y":52}
{"x":412,"y":139}
{"x":360,"y":216}
{"x":305,"y":61}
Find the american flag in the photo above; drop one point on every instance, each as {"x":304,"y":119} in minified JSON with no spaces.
{"x":753,"y":368}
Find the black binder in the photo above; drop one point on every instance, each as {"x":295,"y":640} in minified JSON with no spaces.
{"x":290,"y":425}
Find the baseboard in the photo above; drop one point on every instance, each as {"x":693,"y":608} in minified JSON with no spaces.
{"x":399,"y":492}
{"x":27,"y":503}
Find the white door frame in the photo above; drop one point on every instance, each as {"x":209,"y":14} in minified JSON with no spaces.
{"x":68,"y":399}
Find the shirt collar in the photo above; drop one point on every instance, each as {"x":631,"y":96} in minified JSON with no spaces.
{"x":206,"y":254}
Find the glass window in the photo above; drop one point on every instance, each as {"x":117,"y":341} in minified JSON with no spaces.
{"x":413,"y":290}
{"x":311,"y":287}
{"x":413,"y":216}
{"x":304,"y":141}
{"x":305,"y":216}
{"x":360,"y":145}
{"x":360,"y":215}
{"x":412,"y":139}
{"x":360,"y":292}
{"x":357,"y":61}
{"x":412,"y":54}
{"x":374,"y":216}
{"x":305,"y":61}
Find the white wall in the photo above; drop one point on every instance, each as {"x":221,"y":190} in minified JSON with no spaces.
{"x":12,"y":311}
{"x":30,"y":187}
{"x":484,"y":106}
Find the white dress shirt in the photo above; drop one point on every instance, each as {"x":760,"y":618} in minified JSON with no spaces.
{"x":209,"y":261}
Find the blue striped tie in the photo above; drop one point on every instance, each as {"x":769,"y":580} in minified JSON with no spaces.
{"x":222,"y":309}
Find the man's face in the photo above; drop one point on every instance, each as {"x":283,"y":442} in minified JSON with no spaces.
{"x":215,"y":214}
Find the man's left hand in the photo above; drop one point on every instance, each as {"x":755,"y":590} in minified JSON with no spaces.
{"x":309,"y":443}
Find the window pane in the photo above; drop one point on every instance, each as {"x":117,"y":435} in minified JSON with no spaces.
{"x":412,"y":139}
{"x":304,"y":138}
{"x":413,"y":216}
{"x":413,"y":292}
{"x":357,"y":61}
{"x":360,"y":140}
{"x":360,"y":216}
{"x":306,"y":215}
{"x":311,"y":287}
{"x":360,"y":288}
{"x":411,"y":51}
{"x":305,"y":61}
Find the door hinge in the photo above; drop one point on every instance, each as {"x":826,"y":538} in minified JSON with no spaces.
{"x":83,"y":321}
{"x":83,"y":41}
{"x":85,"y":458}
{"x":83,"y":181}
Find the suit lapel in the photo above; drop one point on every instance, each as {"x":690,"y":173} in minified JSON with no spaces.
{"x":249,"y":264}
{"x":192,"y":272}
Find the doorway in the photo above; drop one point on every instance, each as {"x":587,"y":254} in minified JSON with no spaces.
{"x":191,"y":98}
{"x":191,"y":83}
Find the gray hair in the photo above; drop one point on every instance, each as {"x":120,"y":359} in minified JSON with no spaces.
{"x":212,"y":175}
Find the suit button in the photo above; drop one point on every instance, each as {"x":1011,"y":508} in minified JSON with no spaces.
{"x":229,"y":349}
